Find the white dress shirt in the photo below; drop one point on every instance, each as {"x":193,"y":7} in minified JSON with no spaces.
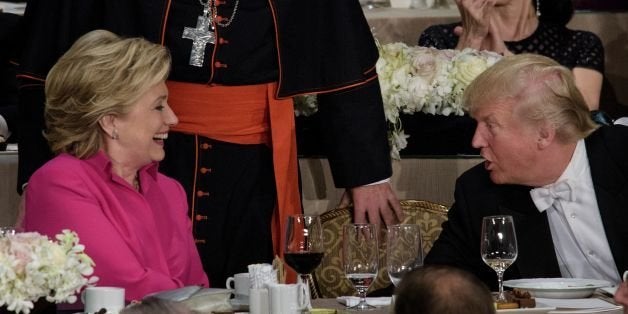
{"x":579,"y":238}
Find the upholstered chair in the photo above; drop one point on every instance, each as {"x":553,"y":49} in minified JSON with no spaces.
{"x":328,"y":280}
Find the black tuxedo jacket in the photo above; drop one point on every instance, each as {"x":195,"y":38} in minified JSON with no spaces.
{"x":477,"y":196}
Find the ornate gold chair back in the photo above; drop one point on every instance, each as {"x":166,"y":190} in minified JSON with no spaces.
{"x":328,"y":280}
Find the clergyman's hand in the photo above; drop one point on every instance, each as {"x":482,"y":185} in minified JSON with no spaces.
{"x":374,"y":203}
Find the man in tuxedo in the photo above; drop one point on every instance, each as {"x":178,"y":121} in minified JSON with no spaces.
{"x":562,"y":179}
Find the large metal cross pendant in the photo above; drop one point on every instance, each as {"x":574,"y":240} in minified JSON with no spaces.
{"x":200,"y":36}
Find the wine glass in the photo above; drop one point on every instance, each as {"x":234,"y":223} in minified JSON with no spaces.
{"x":373,"y":4}
{"x":499,"y":247}
{"x":304,"y":247}
{"x":360,"y":259}
{"x":404,"y":251}
{"x":6,"y":231}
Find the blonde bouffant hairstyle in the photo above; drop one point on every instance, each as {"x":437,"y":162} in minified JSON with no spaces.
{"x":541,"y":90}
{"x":101,"y":74}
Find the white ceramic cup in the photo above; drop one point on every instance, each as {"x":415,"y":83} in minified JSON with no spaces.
{"x":287,"y":298}
{"x":97,"y":298}
{"x":240,"y":283}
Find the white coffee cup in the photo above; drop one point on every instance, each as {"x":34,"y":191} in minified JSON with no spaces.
{"x":97,"y":298}
{"x":287,"y":298}
{"x":240,"y":283}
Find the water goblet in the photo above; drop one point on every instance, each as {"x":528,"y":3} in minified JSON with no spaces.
{"x":5,"y":231}
{"x":360,"y":250}
{"x":304,"y":247}
{"x":404,"y":251}
{"x":499,"y":247}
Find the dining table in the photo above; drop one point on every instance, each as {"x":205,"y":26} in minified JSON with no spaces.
{"x":563,"y":306}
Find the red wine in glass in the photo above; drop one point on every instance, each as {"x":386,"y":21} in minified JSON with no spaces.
{"x":303,"y":262}
{"x":304,"y":246}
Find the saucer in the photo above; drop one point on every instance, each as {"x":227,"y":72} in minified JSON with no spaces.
{"x":239,"y":302}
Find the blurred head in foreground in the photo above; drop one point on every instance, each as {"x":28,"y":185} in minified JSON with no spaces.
{"x":442,"y":290}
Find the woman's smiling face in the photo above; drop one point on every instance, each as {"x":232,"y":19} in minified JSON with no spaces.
{"x":142,"y":131}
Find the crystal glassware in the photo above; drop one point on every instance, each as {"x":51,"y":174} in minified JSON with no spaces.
{"x":499,"y":247}
{"x":404,"y":251}
{"x":360,"y":259}
{"x":304,"y":247}
{"x":5,"y":231}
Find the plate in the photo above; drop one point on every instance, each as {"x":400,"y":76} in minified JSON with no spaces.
{"x":558,"y":288}
{"x":239,"y":302}
{"x":534,"y":310}
{"x":540,"y":308}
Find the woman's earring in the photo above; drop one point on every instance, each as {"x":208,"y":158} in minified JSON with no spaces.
{"x":538,"y":8}
{"x":114,"y":134}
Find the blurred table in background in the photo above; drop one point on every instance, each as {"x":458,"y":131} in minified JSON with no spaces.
{"x":405,"y":25}
{"x":9,"y":199}
{"x":12,"y":7}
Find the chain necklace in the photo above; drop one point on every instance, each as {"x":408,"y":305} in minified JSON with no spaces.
{"x":212,"y":9}
{"x":203,"y":33}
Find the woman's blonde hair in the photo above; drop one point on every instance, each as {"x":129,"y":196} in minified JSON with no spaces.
{"x":541,"y":91}
{"x":101,"y":74}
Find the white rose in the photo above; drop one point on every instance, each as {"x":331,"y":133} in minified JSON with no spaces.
{"x":467,"y":68}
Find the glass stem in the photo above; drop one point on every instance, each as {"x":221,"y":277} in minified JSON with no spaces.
{"x":306,"y":282}
{"x":363,"y":295}
{"x":500,"y":283}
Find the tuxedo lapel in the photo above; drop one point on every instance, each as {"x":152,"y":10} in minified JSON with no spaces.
{"x":536,"y":257}
{"x":611,"y":190}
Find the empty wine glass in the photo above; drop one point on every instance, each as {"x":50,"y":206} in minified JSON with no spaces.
{"x":5,"y":231}
{"x":360,"y":259}
{"x":373,"y":4}
{"x":304,"y":247}
{"x":404,"y":251}
{"x":499,"y":247}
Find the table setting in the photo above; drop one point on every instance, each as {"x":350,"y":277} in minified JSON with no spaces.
{"x":262,"y":290}
{"x":552,"y":295}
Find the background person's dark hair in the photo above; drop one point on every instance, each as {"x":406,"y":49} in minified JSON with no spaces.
{"x":555,"y":11}
{"x":438,"y":289}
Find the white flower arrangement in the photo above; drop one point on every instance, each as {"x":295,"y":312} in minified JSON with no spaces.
{"x":419,"y":79}
{"x":33,"y":267}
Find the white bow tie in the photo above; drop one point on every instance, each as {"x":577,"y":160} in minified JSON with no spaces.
{"x":544,"y":197}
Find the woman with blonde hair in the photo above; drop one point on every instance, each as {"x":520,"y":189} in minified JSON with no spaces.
{"x":107,"y":117}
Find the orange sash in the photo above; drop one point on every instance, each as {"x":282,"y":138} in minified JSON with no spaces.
{"x":249,"y":114}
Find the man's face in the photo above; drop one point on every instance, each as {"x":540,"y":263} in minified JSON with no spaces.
{"x":509,"y":146}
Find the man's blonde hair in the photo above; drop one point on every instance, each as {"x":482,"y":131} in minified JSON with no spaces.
{"x":541,"y":91}
{"x":100,"y":74}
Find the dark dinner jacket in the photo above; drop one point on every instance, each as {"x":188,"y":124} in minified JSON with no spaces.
{"x":477,"y":196}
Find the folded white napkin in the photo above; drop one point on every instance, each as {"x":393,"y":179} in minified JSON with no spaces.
{"x":578,"y":304}
{"x":352,"y":301}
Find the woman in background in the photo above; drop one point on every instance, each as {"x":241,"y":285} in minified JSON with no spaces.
{"x":530,"y":26}
{"x":506,"y":27}
{"x":107,"y":117}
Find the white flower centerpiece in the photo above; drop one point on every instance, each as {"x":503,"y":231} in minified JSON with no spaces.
{"x":419,"y":79}
{"x":34,"y":267}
